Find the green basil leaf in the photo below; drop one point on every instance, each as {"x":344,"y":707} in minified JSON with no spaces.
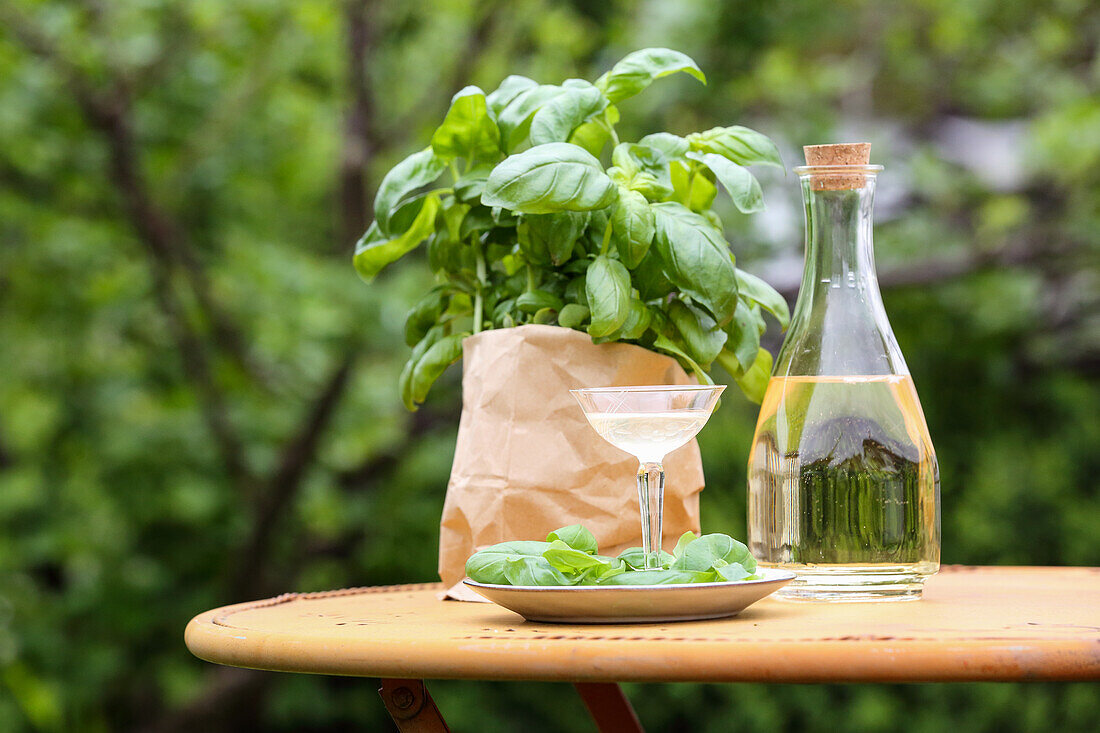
{"x":574,"y":291}
{"x":404,"y":382}
{"x":403,"y":180}
{"x":738,"y":144}
{"x":536,"y":300}
{"x":637,"y":321}
{"x":649,"y":186}
{"x":668,"y":146}
{"x":734,"y":572}
{"x":702,"y":336}
{"x":607,"y":285}
{"x":744,"y":338}
{"x":487,"y":565}
{"x":658,"y":577}
{"x":471,"y":184}
{"x":592,"y":136}
{"x":548,"y":239}
{"x":758,"y":291}
{"x":681,"y":543}
{"x":523,"y":570}
{"x":557,"y":118}
{"x":509,"y":89}
{"x":436,"y":359}
{"x":573,"y":315}
{"x":742,"y":186}
{"x":514,"y":118}
{"x":373,"y":252}
{"x":640,"y":69}
{"x":664,"y":343}
{"x":549,"y":178}
{"x":634,"y":557}
{"x":477,"y":219}
{"x":575,"y":562}
{"x":696,"y":259}
{"x":632,"y":227}
{"x":649,"y":277}
{"x":424,"y":315}
{"x":575,"y":536}
{"x":467,"y":131}
{"x":754,"y":382}
{"x":712,"y":551}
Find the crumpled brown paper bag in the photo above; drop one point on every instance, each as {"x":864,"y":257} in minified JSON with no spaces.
{"x":527,"y":461}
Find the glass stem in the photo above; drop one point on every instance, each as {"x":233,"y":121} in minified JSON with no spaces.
{"x":651,"y":501}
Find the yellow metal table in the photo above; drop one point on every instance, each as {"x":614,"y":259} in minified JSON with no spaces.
{"x":974,"y":624}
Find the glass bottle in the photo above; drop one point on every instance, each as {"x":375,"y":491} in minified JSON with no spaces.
{"x":843,"y":480}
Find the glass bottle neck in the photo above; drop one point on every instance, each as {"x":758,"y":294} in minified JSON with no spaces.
{"x":839,"y":327}
{"x":839,"y":246}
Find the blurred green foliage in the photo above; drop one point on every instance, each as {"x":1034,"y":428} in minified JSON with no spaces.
{"x":199,"y":402}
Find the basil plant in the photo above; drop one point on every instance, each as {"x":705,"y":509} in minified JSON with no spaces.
{"x":526,"y":222}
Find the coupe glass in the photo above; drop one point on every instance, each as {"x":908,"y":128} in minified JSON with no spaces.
{"x":649,"y":423}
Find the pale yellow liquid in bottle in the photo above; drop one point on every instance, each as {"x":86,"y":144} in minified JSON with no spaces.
{"x":843,"y":486}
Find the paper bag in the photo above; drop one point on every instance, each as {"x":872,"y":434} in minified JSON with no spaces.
{"x":527,"y":461}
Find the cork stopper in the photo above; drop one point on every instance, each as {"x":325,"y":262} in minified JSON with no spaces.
{"x":837,"y":154}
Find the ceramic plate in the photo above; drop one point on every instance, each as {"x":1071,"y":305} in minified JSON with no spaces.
{"x":621,"y":604}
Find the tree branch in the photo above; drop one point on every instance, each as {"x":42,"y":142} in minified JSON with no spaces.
{"x":359,"y":142}
{"x":249,"y":578}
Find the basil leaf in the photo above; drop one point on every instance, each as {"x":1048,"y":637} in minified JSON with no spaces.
{"x":640,"y":69}
{"x":742,"y":186}
{"x":592,"y":136}
{"x":634,"y":557}
{"x":744,"y":338}
{"x":404,"y":382}
{"x":607,"y":285}
{"x":738,"y":144}
{"x":575,"y":562}
{"x":556,"y":120}
{"x":632,"y":227}
{"x":681,"y":543}
{"x":668,"y":146}
{"x":536,"y":300}
{"x":637,"y":321}
{"x":712,"y":551}
{"x":524,"y":570}
{"x":657,"y":577}
{"x":758,"y":291}
{"x":487,"y":565}
{"x":373,"y":251}
{"x":549,"y":178}
{"x":548,"y":239}
{"x":509,"y":89}
{"x":734,"y":572}
{"x":649,"y":277}
{"x":754,"y":382}
{"x":467,"y":131}
{"x":423,"y":315}
{"x":575,"y":536}
{"x":664,"y":343}
{"x":573,"y":315}
{"x":696,"y":259}
{"x":436,"y":359}
{"x":404,"y":179}
{"x":702,"y":336}
{"x":514,"y":118}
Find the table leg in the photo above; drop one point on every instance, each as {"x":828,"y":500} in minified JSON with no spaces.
{"x":411,"y":707}
{"x":609,"y":707}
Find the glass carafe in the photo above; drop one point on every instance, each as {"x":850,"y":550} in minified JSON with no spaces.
{"x":843,"y":480}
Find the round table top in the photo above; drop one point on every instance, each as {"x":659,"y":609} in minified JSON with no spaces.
{"x":974,"y":623}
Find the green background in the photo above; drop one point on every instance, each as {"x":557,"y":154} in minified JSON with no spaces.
{"x":198,"y":397}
